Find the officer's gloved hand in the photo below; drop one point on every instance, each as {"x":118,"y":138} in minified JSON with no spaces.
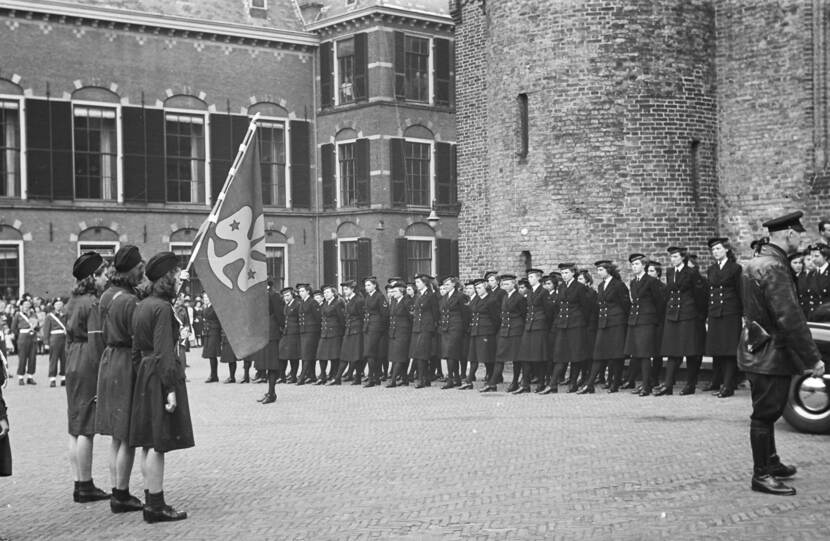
{"x":818,"y":369}
{"x":184,"y":275}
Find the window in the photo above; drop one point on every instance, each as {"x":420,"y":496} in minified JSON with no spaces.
{"x":345,"y":71}
{"x":277,"y":265}
{"x":183,"y":250}
{"x":272,"y":160}
{"x":416,"y":67}
{"x":259,"y":4}
{"x":694,"y":173}
{"x":524,"y":135}
{"x":185,"y":157}
{"x":417,"y":164}
{"x":348,"y":177}
{"x":9,"y":148}
{"x":348,"y":260}
{"x":11,"y":266}
{"x":419,"y":256}
{"x":95,"y":153}
{"x":105,"y":249}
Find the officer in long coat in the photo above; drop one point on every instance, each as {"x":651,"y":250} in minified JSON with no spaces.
{"x":512,"y":313}
{"x":399,"y":332}
{"x":451,"y":329}
{"x":724,"y":317}
{"x":533,"y":348}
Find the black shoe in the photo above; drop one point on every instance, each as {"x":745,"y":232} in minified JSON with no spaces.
{"x":391,"y":385}
{"x":465,"y":386}
{"x":522,"y":390}
{"x":725,"y":393}
{"x":637,"y":390}
{"x":687,"y":390}
{"x":320,"y":382}
{"x":93,"y":494}
{"x":212,"y":379}
{"x":370,"y":383}
{"x":259,"y":380}
{"x":512,"y":388}
{"x":53,"y":384}
{"x":584,"y":390}
{"x":246,"y":379}
{"x":488,"y":389}
{"x":777,"y":469}
{"x":573,"y":389}
{"x":263,"y":398}
{"x":449,"y":384}
{"x":629,"y":385}
{"x":230,"y":380}
{"x":549,"y":390}
{"x":420,"y":385}
{"x":645,"y":391}
{"x":332,"y":382}
{"x":280,"y":380}
{"x":162,"y":514}
{"x":292,"y":379}
{"x":613,"y":389}
{"x":711,"y":388}
{"x":63,"y":383}
{"x":769,"y":484}
{"x":663,"y":391}
{"x":269,"y":398}
{"x":126,"y":506}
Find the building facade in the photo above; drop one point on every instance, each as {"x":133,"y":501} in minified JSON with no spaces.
{"x":590,"y":130}
{"x":120,"y":119}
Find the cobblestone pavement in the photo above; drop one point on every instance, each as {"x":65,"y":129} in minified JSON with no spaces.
{"x":353,"y":463}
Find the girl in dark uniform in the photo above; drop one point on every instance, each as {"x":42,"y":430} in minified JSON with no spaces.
{"x":85,"y":347}
{"x":513,"y":307}
{"x":351,"y":348}
{"x":451,"y":329}
{"x":424,"y":316}
{"x":724,"y":316}
{"x":642,"y":341}
{"x":116,"y":375}
{"x":290,"y":341}
{"x":309,"y":318}
{"x":574,"y":306}
{"x":331,"y":331}
{"x":160,"y":420}
{"x":400,"y":333}
{"x":373,"y":324}
{"x":801,"y":281}
{"x":484,"y":326}
{"x":212,"y":339}
{"x":613,"y":305}
{"x":533,"y":348}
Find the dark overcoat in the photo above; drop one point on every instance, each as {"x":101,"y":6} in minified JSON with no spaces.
{"x":212,"y":341}
{"x":400,"y":329}
{"x":451,"y":325}
{"x":83,"y":328}
{"x":424,"y":320}
{"x":289,"y":347}
{"x":613,"y":307}
{"x":512,"y":313}
{"x":683,"y":332}
{"x":724,"y":312}
{"x":309,"y":322}
{"x":533,"y":347}
{"x":645,"y":316}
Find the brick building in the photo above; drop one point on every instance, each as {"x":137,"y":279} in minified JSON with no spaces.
{"x":119,"y":120}
{"x":593,"y":129}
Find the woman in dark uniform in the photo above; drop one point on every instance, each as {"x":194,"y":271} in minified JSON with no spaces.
{"x":725,"y":315}
{"x":373,"y":324}
{"x":584,"y":277}
{"x":574,"y":306}
{"x":309,"y":323}
{"x":801,"y":281}
{"x":613,"y":305}
{"x":466,"y":315}
{"x":513,"y":307}
{"x":290,"y":342}
{"x":351,"y":348}
{"x":533,"y":352}
{"x":116,"y":375}
{"x":160,"y":420}
{"x":642,"y":341}
{"x":268,"y":359}
{"x":484,"y":326}
{"x":212,"y":339}
{"x":400,"y":333}
{"x":332,"y":321}
{"x":451,"y":329}
{"x":424,"y":318}
{"x":83,"y":328}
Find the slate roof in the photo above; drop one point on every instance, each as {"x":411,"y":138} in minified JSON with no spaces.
{"x":333,"y":8}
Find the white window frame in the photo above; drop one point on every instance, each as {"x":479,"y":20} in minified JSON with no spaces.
{"x":287,"y":142}
{"x":119,"y":158}
{"x":431,"y":143}
{"x":433,"y":262}
{"x":339,"y":265}
{"x":284,"y":246}
{"x":94,"y":244}
{"x":21,"y":270}
{"x":338,"y":181}
{"x":21,"y":109}
{"x":206,"y":123}
{"x":335,"y":44}
{"x":430,"y":67}
{"x":263,"y":6}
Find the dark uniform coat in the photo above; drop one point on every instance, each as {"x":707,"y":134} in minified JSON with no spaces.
{"x":84,"y":356}
{"x":309,"y":321}
{"x":26,"y":335}
{"x":289,"y":347}
{"x":683,"y":334}
{"x":116,"y":374}
{"x":819,"y":286}
{"x":268,"y":357}
{"x":645,"y":316}
{"x":802,"y":284}
{"x":512,"y":313}
{"x":212,"y":341}
{"x":400,"y":329}
{"x":331,"y":330}
{"x":54,"y":334}
{"x":160,"y":372}
{"x":353,"y":312}
{"x":485,"y":319}
{"x":375,"y":323}
{"x":424,"y":320}
{"x":613,"y":308}
{"x":451,"y":324}
{"x":724,"y":313}
{"x":533,"y":348}
{"x":574,"y":306}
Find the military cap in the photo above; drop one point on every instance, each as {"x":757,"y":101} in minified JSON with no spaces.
{"x":676,"y":250}
{"x":86,"y":265}
{"x":449,"y":279}
{"x":546,"y":278}
{"x":569,"y":266}
{"x":423,"y":277}
{"x":470,"y":282}
{"x":535,"y":271}
{"x":303,"y":285}
{"x":603,"y":263}
{"x":316,"y":292}
{"x":757,"y":243}
{"x":654,"y":263}
{"x":524,"y":282}
{"x":394,"y":279}
{"x":507,"y":277}
{"x":490,"y":273}
{"x":287,"y":289}
{"x":788,"y":221}
{"x":160,"y":264}
{"x":348,"y":283}
{"x":478,"y":281}
{"x":126,"y":258}
{"x":327,"y":286}
{"x":397,"y":285}
{"x":795,"y":255}
{"x":716,"y":240}
{"x":555,"y":274}
{"x":634,"y":257}
{"x":372,"y":278}
{"x":817,"y":247}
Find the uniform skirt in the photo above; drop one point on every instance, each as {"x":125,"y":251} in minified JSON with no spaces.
{"x":226,"y":353}
{"x":683,"y":338}
{"x":482,"y":349}
{"x":289,"y":347}
{"x":610,"y":343}
{"x":150,"y":424}
{"x":507,"y":348}
{"x":723,"y":335}
{"x":115,"y":393}
{"x":268,"y":357}
{"x":452,"y":344}
{"x":212,"y":345}
{"x":571,"y":345}
{"x":328,"y":348}
{"x":373,"y":346}
{"x":81,"y":388}
{"x":308,"y":346}
{"x":421,"y":345}
{"x":642,"y":341}
{"x":534,"y":347}
{"x":351,"y":349}
{"x":551,"y":343}
{"x":398,"y":350}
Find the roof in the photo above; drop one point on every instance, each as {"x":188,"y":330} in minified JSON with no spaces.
{"x":335,"y":8}
{"x":281,"y":14}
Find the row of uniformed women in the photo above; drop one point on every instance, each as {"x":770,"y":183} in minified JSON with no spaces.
{"x":124,"y":377}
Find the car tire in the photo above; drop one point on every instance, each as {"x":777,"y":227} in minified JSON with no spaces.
{"x":808,"y":404}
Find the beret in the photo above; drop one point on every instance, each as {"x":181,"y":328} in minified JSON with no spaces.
{"x":126,"y":258}
{"x":634,"y":257}
{"x":603,"y":263}
{"x":676,"y":250}
{"x":160,"y":264}
{"x":287,"y":289}
{"x":535,"y":271}
{"x":507,"y":277}
{"x":478,"y":281}
{"x":488,"y":274}
{"x":571,"y":266}
{"x":348,"y":283}
{"x":86,"y":264}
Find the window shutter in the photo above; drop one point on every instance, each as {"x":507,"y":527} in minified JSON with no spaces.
{"x":445,"y":185}
{"x":327,"y":161}
{"x":444,"y":263}
{"x":364,"y":259}
{"x":361,"y":66}
{"x":454,"y":270}
{"x":400,"y":65}
{"x":154,"y":143}
{"x":135,"y":168}
{"x":397,"y":172}
{"x":441,"y":70}
{"x":38,"y":142}
{"x":330,"y":262}
{"x":401,"y":249}
{"x":326,"y":75}
{"x":363,"y":172}
{"x":300,"y":165}
{"x":220,"y":152}
{"x":63,"y":185}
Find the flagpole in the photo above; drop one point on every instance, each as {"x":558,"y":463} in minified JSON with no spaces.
{"x":214,"y":213}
